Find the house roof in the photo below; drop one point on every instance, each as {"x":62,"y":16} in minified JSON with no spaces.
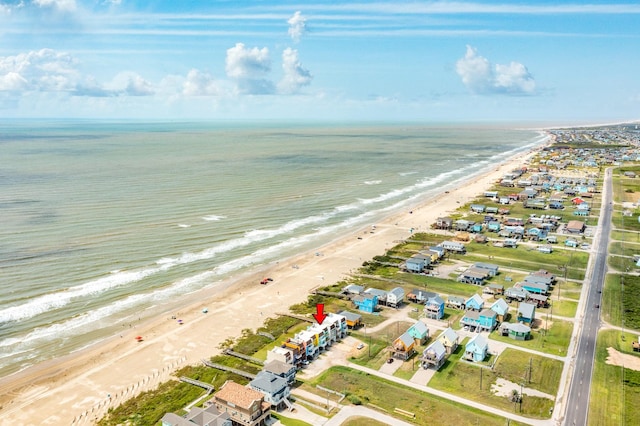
{"x":377,"y":292}
{"x":449,"y":334}
{"x":474,"y":315}
{"x":500,"y":306}
{"x":479,"y":342}
{"x":483,"y":265}
{"x":519,"y":327}
{"x":209,"y":416}
{"x":406,"y":339}
{"x":268,"y":382}
{"x":456,"y":299}
{"x":350,"y":316}
{"x":533,"y":284}
{"x":398,"y":292}
{"x":278,"y":367}
{"x":239,"y":395}
{"x":489,"y":313}
{"x":476,"y":299}
{"x":526,"y":310}
{"x":422,"y":294}
{"x":353,"y":288}
{"x":436,"y":348}
{"x":436,"y":300}
{"x":420,"y":328}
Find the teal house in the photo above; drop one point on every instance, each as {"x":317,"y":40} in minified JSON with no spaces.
{"x":366,"y":302}
{"x":476,"y":349}
{"x":420,"y":332}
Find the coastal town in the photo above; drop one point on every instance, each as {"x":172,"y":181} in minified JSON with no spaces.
{"x":516,"y":307}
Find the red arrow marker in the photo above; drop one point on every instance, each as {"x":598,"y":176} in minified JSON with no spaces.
{"x":319,"y":315}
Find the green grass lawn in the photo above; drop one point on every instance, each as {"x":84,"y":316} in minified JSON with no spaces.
{"x":429,"y":409}
{"x":288,"y":421}
{"x":554,"y":341}
{"x":611,"y":402}
{"x":618,"y":304}
{"x":620,"y":235}
{"x":563,"y":308}
{"x":513,"y":365}
{"x":559,"y":257}
{"x":362,"y":421}
{"x":465,"y":379}
{"x":624,"y":248}
{"x":524,"y":265}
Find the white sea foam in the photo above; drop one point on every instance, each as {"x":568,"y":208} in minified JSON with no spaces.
{"x":372,"y":182}
{"x":183,"y":225}
{"x":213,"y":218}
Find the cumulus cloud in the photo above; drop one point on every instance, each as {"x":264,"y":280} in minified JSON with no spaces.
{"x":44,"y":70}
{"x":248,"y":68}
{"x":482,"y":77}
{"x":62,"y":5}
{"x":295,"y":76}
{"x":198,"y":83}
{"x":131,"y":84}
{"x":297,"y":26}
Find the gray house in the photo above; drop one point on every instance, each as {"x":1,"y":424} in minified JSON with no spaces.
{"x":275,"y":388}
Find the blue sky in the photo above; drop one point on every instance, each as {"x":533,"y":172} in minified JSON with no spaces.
{"x":536,"y":60}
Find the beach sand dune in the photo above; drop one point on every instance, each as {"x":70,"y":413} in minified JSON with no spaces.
{"x":81,"y":387}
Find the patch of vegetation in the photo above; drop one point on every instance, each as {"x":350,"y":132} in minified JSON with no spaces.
{"x":554,"y":341}
{"x":615,"y":391}
{"x":388,"y":395}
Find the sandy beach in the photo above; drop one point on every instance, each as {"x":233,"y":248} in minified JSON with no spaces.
{"x":80,"y":388}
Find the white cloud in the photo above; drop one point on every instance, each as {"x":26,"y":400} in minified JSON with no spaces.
{"x":130,"y":84}
{"x":295,"y":76}
{"x":249,"y":68}
{"x":297,"y":26}
{"x":44,"y":70}
{"x":198,"y":83}
{"x":63,"y":5}
{"x":481,"y":77}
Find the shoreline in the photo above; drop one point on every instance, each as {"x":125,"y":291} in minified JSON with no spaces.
{"x":81,"y":386}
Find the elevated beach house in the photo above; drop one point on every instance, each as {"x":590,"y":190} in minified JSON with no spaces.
{"x":281,"y":369}
{"x":403,"y":346}
{"x":434,"y":355}
{"x":395,"y":297}
{"x":526,"y":313}
{"x":476,"y":349}
{"x":417,"y":263}
{"x":434,"y":308}
{"x":366,"y":302}
{"x":381,"y":295}
{"x":352,"y":319}
{"x":474,"y":303}
{"x":455,"y":302}
{"x":420,"y":332}
{"x":501,"y":308}
{"x":245,"y":406}
{"x":489,"y":267}
{"x":420,"y":296}
{"x":274,"y":388}
{"x":453,"y":246}
{"x":449,"y":339}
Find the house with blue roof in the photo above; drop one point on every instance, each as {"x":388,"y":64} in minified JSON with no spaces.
{"x":434,"y":308}
{"x":275,"y":388}
{"x":489,"y":267}
{"x":474,"y":303}
{"x":515,"y":331}
{"x":366,"y":302}
{"x":494,"y":226}
{"x":534,"y":287}
{"x":380,"y":294}
{"x":476,"y":349}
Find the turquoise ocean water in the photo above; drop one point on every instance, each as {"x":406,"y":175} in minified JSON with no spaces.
{"x":101,"y":223}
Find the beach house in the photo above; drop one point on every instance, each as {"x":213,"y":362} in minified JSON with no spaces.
{"x":244,"y":405}
{"x":449,"y":339}
{"x":352,"y":319}
{"x":501,"y":308}
{"x":420,"y":296}
{"x":474,"y":303}
{"x":417,"y":263}
{"x":455,"y":302}
{"x":453,"y":246}
{"x":274,"y":388}
{"x":444,"y":223}
{"x":476,"y":349}
{"x":434,"y":308}
{"x":526,"y":313}
{"x":434,"y":355}
{"x":281,"y":369}
{"x":489,"y":267}
{"x":366,"y":303}
{"x":403,"y":346}
{"x":515,"y":331}
{"x":278,"y":354}
{"x":395,"y":297}
{"x":420,"y":332}
{"x":473,"y":275}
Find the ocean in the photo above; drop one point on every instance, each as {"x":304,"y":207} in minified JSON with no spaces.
{"x":105,"y":223}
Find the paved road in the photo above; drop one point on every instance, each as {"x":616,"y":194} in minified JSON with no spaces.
{"x":577,"y":408}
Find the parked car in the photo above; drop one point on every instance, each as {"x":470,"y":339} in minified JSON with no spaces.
{"x":360,"y":346}
{"x":390,"y":360}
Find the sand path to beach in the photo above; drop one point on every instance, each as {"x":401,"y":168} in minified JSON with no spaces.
{"x":80,"y":388}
